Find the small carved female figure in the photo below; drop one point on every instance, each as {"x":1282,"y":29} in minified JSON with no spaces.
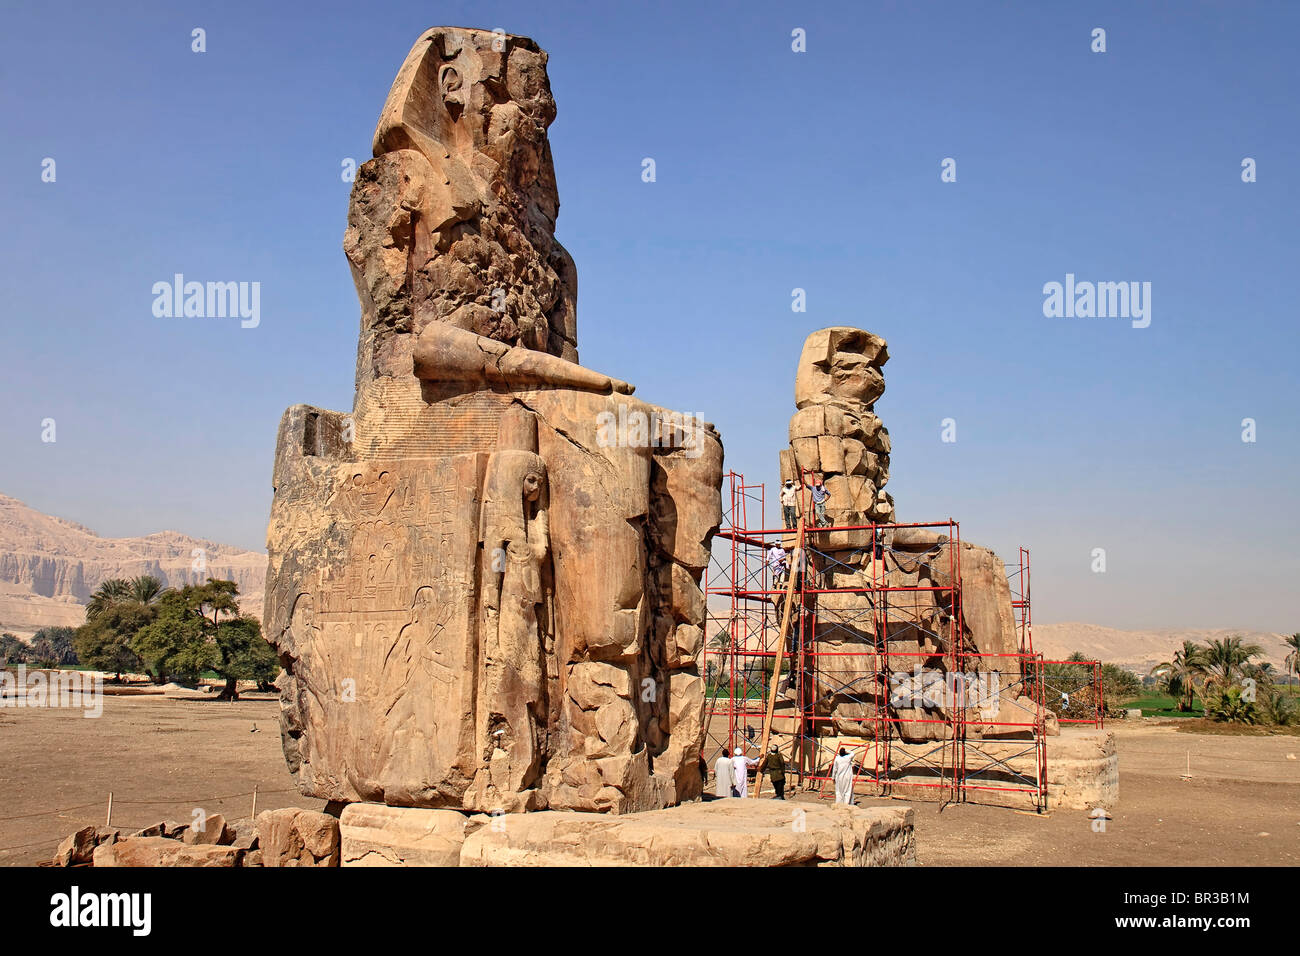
{"x":516,"y":545}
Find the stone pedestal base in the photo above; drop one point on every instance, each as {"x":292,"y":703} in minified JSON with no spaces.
{"x":718,"y":833}
{"x":1082,"y":770}
{"x":375,"y":835}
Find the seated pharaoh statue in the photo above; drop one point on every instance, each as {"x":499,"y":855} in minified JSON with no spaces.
{"x":483,"y":596}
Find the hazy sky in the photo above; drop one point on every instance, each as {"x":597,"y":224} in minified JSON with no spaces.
{"x":775,"y":170}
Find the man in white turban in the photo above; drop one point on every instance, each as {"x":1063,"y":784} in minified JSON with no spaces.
{"x":740,"y":765}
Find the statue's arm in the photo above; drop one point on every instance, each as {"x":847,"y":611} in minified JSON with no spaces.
{"x":447,"y":354}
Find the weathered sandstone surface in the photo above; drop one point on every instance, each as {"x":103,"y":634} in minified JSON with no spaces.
{"x":719,"y":833}
{"x":483,"y":595}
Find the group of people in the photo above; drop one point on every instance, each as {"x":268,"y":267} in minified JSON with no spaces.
{"x":731,"y":772}
{"x":790,"y":501}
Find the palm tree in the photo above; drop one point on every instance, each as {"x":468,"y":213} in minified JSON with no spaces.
{"x":1232,"y":706}
{"x":145,"y":589}
{"x":1226,"y":660}
{"x":1181,"y":673}
{"x":110,"y":592}
{"x":1293,"y":655}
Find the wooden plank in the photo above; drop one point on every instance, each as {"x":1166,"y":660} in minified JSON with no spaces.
{"x":780,"y":647}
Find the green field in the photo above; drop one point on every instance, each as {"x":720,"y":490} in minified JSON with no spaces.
{"x":723,"y":692}
{"x":1162,"y":705}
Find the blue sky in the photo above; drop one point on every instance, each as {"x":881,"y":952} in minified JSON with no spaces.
{"x":775,"y":170}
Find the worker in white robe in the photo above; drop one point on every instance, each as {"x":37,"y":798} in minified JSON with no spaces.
{"x":740,"y":765}
{"x":722,"y":771}
{"x":842,"y":774}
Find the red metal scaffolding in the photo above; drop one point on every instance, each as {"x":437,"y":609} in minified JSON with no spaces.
{"x":848,"y":611}
{"x":1074,"y":692}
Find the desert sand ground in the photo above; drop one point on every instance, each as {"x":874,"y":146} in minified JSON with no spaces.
{"x":1241,"y":807}
{"x":163,"y":758}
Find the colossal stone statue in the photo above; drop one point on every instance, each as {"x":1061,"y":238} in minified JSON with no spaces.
{"x":836,"y":434}
{"x":480,"y":600}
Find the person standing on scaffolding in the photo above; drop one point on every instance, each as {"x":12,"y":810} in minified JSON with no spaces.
{"x":819,"y":496}
{"x":776,"y":563}
{"x":790,"y":503}
{"x":842,"y":774}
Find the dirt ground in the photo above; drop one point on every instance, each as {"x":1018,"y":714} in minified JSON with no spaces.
{"x":160,"y":758}
{"x":163,"y":758}
{"x":1240,"y":807}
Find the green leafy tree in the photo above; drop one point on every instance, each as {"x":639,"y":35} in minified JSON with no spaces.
{"x":199,"y":628}
{"x":1065,"y":687}
{"x":1119,"y":684}
{"x":104,"y":641}
{"x":1072,"y":670}
{"x":245,"y":655}
{"x":1261,"y":672}
{"x":715,"y":669}
{"x":712,"y":675}
{"x":175,"y":642}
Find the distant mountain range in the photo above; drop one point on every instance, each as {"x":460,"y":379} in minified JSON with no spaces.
{"x":49,"y":567}
{"x":1141,"y":650}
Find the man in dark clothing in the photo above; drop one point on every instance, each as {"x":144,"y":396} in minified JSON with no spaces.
{"x":774,"y":764}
